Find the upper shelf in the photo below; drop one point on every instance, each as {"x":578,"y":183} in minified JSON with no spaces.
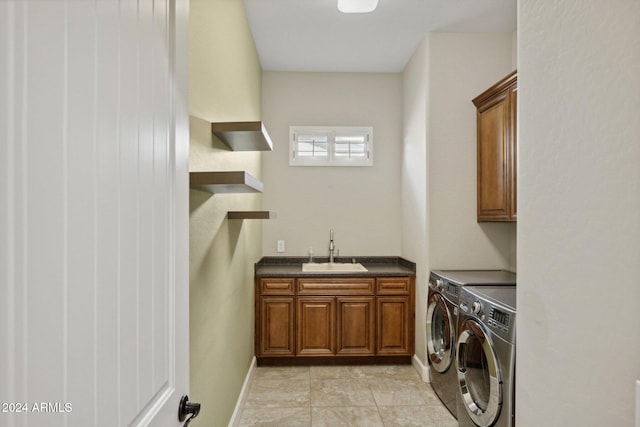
{"x":243,"y":136}
{"x":225,"y":182}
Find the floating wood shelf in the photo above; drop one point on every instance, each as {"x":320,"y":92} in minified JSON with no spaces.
{"x":251,"y":215}
{"x":225,"y":182}
{"x":243,"y":136}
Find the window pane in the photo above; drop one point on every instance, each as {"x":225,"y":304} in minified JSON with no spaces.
{"x":351,"y":146}
{"x":351,"y":138}
{"x":313,"y":146}
{"x":351,"y":150}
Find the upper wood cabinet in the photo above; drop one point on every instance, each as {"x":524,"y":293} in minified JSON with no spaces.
{"x":497,"y":151}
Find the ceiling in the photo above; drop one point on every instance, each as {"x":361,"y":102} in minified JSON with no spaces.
{"x":312,"y":35}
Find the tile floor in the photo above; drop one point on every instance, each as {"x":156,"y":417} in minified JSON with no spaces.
{"x":391,"y":395}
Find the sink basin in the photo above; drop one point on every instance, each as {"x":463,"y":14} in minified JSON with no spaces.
{"x":332,"y":267}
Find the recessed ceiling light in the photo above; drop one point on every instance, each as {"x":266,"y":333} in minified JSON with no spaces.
{"x":357,"y":6}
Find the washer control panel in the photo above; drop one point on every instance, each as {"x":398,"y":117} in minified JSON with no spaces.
{"x":501,"y":320}
{"x":449,"y":290}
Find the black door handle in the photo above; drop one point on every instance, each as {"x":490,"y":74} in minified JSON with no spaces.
{"x":187,"y":408}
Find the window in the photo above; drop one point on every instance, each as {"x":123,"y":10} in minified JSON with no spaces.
{"x":330,"y":146}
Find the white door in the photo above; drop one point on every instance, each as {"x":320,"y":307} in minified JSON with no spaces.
{"x":94,"y":212}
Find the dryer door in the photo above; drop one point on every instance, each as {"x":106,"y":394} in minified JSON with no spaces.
{"x":479,"y":376}
{"x":440,"y":327}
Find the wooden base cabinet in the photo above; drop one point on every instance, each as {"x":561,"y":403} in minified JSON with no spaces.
{"x":395,"y":327}
{"x":336,"y":319}
{"x":275,"y":317}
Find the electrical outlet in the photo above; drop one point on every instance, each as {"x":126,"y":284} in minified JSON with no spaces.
{"x":280,"y":246}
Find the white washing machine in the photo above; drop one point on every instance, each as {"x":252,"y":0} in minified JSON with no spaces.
{"x":442,"y":324}
{"x":485,"y":360}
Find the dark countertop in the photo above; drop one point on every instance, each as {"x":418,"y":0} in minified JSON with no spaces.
{"x":376,"y":266}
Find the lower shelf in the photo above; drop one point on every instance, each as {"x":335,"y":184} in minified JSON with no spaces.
{"x":251,"y":215}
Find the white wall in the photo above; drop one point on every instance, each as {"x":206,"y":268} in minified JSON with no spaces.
{"x":414,"y":194}
{"x":578,"y":220}
{"x":362,"y":204}
{"x":439,"y":228}
{"x":462,"y":65}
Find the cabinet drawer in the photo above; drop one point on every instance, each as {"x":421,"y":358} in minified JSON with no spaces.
{"x":335,"y":286}
{"x":278,"y":286}
{"x":393,"y":285}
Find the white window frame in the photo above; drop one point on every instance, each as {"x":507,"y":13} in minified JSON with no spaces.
{"x":332,"y":158}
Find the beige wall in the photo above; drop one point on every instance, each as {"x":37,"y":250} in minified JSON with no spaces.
{"x":225,"y":81}
{"x":362,"y":204}
{"x":579,"y":202}
{"x":440,"y":230}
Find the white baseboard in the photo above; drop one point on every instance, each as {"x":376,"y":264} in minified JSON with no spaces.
{"x":637,"y":403}
{"x":423,"y":370}
{"x":237,"y":412}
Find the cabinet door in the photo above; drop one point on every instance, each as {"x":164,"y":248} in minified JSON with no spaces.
{"x":276,"y":326}
{"x":513,"y":152}
{"x":393,"y":329}
{"x":496,"y":151}
{"x":355,"y":326}
{"x":316,"y":326}
{"x":493,"y":173}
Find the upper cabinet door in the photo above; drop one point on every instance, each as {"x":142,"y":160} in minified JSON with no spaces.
{"x":496,"y":151}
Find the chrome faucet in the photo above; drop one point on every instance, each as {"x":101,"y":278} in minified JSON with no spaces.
{"x":332,"y":247}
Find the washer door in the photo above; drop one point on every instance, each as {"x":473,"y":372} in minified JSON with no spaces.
{"x":479,"y":376}
{"x":440,"y":339}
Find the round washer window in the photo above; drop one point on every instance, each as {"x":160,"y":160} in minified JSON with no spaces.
{"x":440,"y":339}
{"x":479,"y":375}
